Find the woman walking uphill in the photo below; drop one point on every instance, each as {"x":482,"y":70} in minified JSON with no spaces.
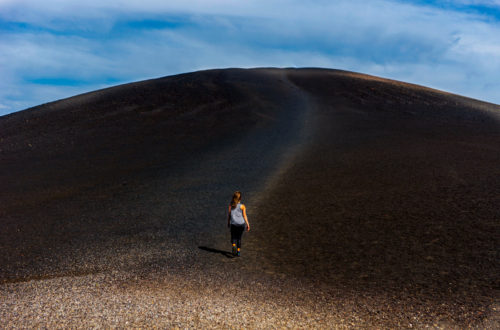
{"x":236,"y":220}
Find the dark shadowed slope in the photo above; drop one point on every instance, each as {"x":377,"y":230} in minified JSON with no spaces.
{"x":82,"y":175}
{"x":380,"y":197}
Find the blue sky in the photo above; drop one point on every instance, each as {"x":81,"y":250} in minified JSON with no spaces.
{"x":53,"y":49}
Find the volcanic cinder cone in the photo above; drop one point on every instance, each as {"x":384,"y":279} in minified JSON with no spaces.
{"x":372,"y":203}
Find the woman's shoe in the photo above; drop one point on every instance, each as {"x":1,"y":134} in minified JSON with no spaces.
{"x":234,"y":249}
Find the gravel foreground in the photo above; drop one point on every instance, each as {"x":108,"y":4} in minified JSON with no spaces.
{"x":217,"y":300}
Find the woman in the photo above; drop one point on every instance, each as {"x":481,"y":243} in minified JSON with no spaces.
{"x":236,"y":220}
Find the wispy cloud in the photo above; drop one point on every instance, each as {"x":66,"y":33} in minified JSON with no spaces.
{"x":55,"y":48}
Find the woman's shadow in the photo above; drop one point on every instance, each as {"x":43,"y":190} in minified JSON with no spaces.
{"x":224,"y":253}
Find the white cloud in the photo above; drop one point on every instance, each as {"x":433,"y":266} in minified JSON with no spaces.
{"x":491,"y":3}
{"x":77,"y":40}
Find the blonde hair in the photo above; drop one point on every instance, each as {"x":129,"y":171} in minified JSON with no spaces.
{"x":236,"y":199}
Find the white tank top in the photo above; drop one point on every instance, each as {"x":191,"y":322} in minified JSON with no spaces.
{"x":237,"y":216}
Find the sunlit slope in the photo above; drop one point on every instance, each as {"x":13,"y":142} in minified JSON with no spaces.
{"x":398,"y":190}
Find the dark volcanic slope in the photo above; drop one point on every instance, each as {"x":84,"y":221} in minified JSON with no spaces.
{"x":398,"y":194}
{"x":83,"y":174}
{"x":357,"y":184}
{"x":116,"y":132}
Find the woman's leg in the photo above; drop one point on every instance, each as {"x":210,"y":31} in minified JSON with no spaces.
{"x":240,"y":231}
{"x":233,"y":235}
{"x":234,"y":238}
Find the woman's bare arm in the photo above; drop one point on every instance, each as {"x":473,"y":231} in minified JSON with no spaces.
{"x":229,"y":217}
{"x":244,"y":209}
